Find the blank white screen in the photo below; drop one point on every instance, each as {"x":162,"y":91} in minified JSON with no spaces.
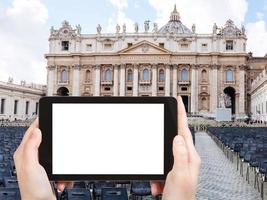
{"x":107,"y":138}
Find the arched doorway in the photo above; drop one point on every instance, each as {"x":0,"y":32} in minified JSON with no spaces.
{"x":230,"y":98}
{"x":63,"y":91}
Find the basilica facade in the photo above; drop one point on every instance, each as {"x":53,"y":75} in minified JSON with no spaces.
{"x":155,"y":61}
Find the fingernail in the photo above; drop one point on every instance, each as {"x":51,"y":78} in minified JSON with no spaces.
{"x":179,"y":140}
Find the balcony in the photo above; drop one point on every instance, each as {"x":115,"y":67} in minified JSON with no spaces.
{"x":142,"y":82}
{"x":187,"y":82}
{"x":104,"y":82}
{"x":63,"y":82}
{"x":230,"y":82}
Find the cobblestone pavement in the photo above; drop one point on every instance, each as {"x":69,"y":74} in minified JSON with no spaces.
{"x":219,"y":179}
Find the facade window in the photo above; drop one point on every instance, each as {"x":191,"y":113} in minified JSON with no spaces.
{"x":184,"y":46}
{"x":108,"y":75}
{"x":161,"y":75}
{"x":161,"y":45}
{"x":129,"y":44}
{"x":65,"y":45}
{"x":107,"y":46}
{"x":184,"y":75}
{"x":184,"y":88}
{"x":229,"y":75}
{"x":64,"y":76}
{"x":204,"y":75}
{"x":204,"y":47}
{"x":87,"y":75}
{"x":161,"y":88}
{"x":36,"y":108}
{"x":145,"y":75}
{"x":2,"y":106}
{"x":229,"y":44}
{"x":130,"y":75}
{"x":129,"y":88}
{"x":88,"y":47}
{"x":15,"y":107}
{"x":27,"y":108}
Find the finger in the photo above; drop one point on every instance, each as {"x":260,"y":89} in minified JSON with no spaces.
{"x":61,"y":185}
{"x":183,"y":129}
{"x":156,"y":187}
{"x":182,"y":119}
{"x":27,"y":134}
{"x":30,"y":150}
{"x":180,"y":154}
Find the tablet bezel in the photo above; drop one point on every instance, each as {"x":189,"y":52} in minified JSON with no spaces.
{"x":45,"y":125}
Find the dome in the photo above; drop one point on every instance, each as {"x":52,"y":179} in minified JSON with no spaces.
{"x":175,"y":26}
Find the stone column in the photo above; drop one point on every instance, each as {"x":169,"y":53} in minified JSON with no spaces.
{"x":97,"y":80}
{"x":116,"y":81}
{"x":154,"y":80}
{"x":135,"y":80}
{"x":193,"y":89}
{"x":76,"y":80}
{"x":213,"y":88}
{"x":122,"y":80}
{"x":51,"y":71}
{"x":241,"y":79}
{"x":174,"y":81}
{"x":167,"y":80}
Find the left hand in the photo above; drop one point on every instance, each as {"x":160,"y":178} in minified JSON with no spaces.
{"x":32,"y":178}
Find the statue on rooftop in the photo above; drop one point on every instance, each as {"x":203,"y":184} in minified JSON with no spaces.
{"x":215,"y":27}
{"x":155,"y":29}
{"x":194,"y":28}
{"x":79,"y":29}
{"x":136,"y":27}
{"x":146,"y":23}
{"x":99,"y":29}
{"x":118,"y":28}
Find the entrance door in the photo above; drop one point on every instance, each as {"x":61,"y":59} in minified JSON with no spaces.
{"x":186,"y":102}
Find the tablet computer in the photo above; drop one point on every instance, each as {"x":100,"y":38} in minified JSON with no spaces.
{"x":107,"y":138}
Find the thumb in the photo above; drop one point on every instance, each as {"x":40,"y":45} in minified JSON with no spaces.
{"x":180,"y":154}
{"x":31,"y":146}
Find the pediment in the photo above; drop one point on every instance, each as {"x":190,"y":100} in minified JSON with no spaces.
{"x":144,"y":47}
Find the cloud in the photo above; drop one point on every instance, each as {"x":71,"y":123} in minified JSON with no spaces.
{"x":119,"y":16}
{"x":259,"y":15}
{"x":23,"y":39}
{"x":257,"y":35}
{"x":203,"y":13}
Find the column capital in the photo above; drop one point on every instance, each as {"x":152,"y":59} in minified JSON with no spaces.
{"x":123,"y":65}
{"x":194,"y":66}
{"x":51,"y":67}
{"x":96,"y":66}
{"x":154,"y":66}
{"x":136,"y":66}
{"x":214,"y":66}
{"x":167,"y":65}
{"x":243,"y":67}
{"x":76,"y":66}
{"x":175,"y":65}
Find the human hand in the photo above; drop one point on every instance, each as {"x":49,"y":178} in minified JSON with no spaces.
{"x":32,"y":178}
{"x":181,"y":182}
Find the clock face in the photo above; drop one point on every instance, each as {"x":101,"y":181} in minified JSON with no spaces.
{"x":65,"y":31}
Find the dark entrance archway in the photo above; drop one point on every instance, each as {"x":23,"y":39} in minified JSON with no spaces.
{"x":230,"y":92}
{"x":186,"y":102}
{"x":63,"y":91}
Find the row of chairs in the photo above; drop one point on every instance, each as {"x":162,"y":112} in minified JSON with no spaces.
{"x":10,"y":138}
{"x":248,"y":146}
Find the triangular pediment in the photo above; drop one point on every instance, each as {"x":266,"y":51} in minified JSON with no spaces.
{"x":144,"y":47}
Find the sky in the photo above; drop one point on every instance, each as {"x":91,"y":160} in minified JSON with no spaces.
{"x":25,"y":24}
